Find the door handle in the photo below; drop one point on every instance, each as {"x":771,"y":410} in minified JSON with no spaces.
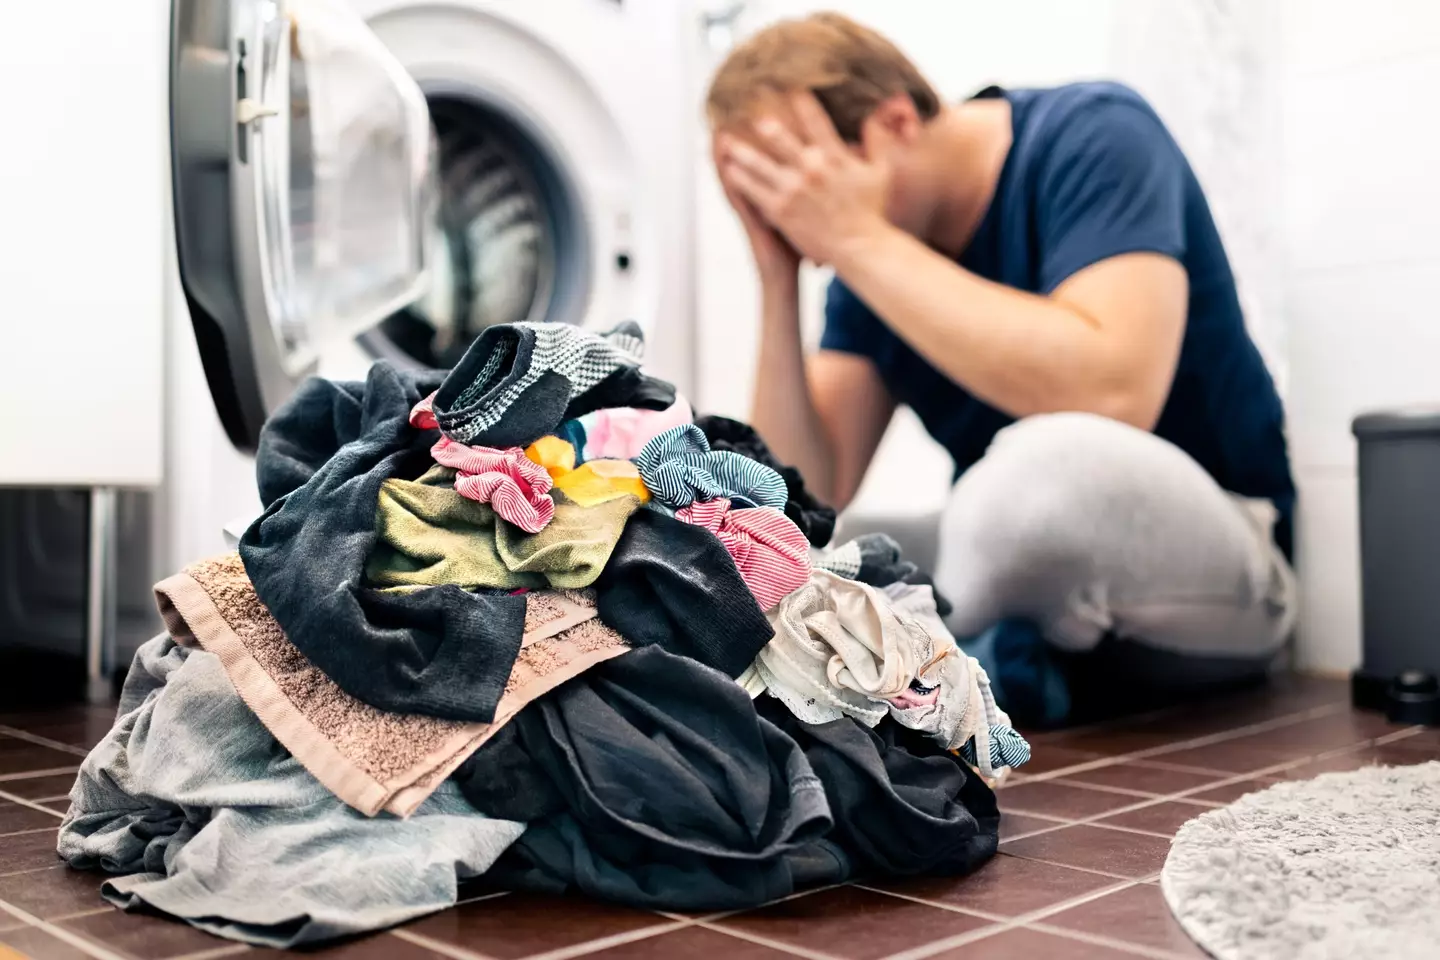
{"x":248,"y":110}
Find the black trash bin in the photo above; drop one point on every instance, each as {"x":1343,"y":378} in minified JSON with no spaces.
{"x":1399,"y":479}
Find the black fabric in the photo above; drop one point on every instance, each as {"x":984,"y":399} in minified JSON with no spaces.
{"x":1120,"y":677}
{"x":673,"y":584}
{"x":625,"y":387}
{"x":901,"y":805}
{"x":320,"y":463}
{"x":499,"y":359}
{"x":650,"y":780}
{"x":880,"y":561}
{"x":815,"y":519}
{"x":920,"y":578}
{"x":657,"y":783}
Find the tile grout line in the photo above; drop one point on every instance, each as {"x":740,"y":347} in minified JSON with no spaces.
{"x":30,"y":803}
{"x":1097,"y":788}
{"x":1136,"y":830}
{"x":214,"y":952}
{"x":764,"y":941}
{"x":1180,"y":768}
{"x":1050,"y":911}
{"x":1067,"y":904}
{"x":1103,"y":941}
{"x":1398,"y":736}
{"x":1315,"y":713}
{"x":80,"y":914}
{"x":1229,"y":780}
{"x":84,"y":945}
{"x":26,"y":735}
{"x":719,"y":915}
{"x":1071,"y":866}
{"x":21,"y":833}
{"x":614,"y":940}
{"x":21,"y":873}
{"x":32,"y":774}
{"x":950,"y":943}
{"x":985,"y":915}
{"x":439,"y":946}
{"x":1036,"y":832}
{"x":1090,"y":821}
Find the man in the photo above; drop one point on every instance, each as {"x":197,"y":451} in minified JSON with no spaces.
{"x":1037,"y":274}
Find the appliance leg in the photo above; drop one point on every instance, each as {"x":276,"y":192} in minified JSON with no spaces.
{"x":100,"y":595}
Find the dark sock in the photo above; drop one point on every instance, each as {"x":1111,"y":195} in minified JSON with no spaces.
{"x":1025,"y":675}
{"x":517,"y":382}
{"x":673,"y":584}
{"x":626,"y":387}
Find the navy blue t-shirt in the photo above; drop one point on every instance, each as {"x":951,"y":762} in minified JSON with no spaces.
{"x":1093,"y":173}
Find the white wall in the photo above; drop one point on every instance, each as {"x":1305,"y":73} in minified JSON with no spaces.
{"x":1362,"y":201}
{"x":82,"y":238}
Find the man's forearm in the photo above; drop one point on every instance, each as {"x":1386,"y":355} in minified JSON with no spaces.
{"x":1020,"y":352}
{"x":783,"y":411}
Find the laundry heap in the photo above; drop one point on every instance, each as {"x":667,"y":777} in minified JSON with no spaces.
{"x":532,"y":620}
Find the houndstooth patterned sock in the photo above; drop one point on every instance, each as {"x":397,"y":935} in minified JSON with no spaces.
{"x":517,"y":382}
{"x":628,"y":338}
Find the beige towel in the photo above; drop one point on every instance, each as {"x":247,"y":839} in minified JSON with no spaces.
{"x":371,"y":759}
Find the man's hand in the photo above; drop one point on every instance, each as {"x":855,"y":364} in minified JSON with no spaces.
{"x":810,"y":186}
{"x":775,"y":259}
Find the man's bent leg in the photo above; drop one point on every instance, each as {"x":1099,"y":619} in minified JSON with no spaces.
{"x":1096,"y":530}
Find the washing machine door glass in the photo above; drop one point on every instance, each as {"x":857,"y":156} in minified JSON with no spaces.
{"x":304,"y":190}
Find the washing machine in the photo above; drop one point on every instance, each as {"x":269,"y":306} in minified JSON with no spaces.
{"x":402,"y":174}
{"x":561,"y":140}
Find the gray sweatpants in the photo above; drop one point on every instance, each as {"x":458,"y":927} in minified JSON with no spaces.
{"x":1098,"y":531}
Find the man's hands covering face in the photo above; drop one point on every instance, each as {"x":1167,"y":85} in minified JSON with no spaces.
{"x":806,"y":183}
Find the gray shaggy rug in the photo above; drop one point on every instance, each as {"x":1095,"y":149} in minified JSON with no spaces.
{"x":1345,"y":865}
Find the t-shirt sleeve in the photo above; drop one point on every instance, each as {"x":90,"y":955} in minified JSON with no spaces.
{"x":1113,"y":183}
{"x":850,"y":326}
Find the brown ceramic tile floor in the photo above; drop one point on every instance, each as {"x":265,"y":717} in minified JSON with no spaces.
{"x":1087,"y":831}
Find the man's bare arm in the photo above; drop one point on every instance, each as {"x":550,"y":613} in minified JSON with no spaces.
{"x":825,"y":415}
{"x":1106,"y":341}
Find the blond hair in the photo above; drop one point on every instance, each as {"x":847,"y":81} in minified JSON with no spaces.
{"x":850,"y":68}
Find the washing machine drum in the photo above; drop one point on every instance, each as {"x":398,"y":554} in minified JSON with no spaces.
{"x":503,"y":246}
{"x":316,"y":202}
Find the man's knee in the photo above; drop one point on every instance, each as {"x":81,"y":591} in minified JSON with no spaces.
{"x":1048,"y":485}
{"x":1066,"y":498}
{"x":1075,"y":448}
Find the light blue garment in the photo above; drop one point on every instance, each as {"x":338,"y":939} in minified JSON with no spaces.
{"x":231,"y":834}
{"x":1026,"y":680}
{"x":679,"y":468}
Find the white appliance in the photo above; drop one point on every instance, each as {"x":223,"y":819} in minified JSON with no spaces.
{"x":563,"y":174}
{"x":570,"y":122}
{"x":319,"y":226}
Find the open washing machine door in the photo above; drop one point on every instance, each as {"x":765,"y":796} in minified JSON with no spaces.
{"x":304,"y":191}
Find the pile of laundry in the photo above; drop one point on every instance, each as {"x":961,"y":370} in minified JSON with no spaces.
{"x":534,"y":621}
